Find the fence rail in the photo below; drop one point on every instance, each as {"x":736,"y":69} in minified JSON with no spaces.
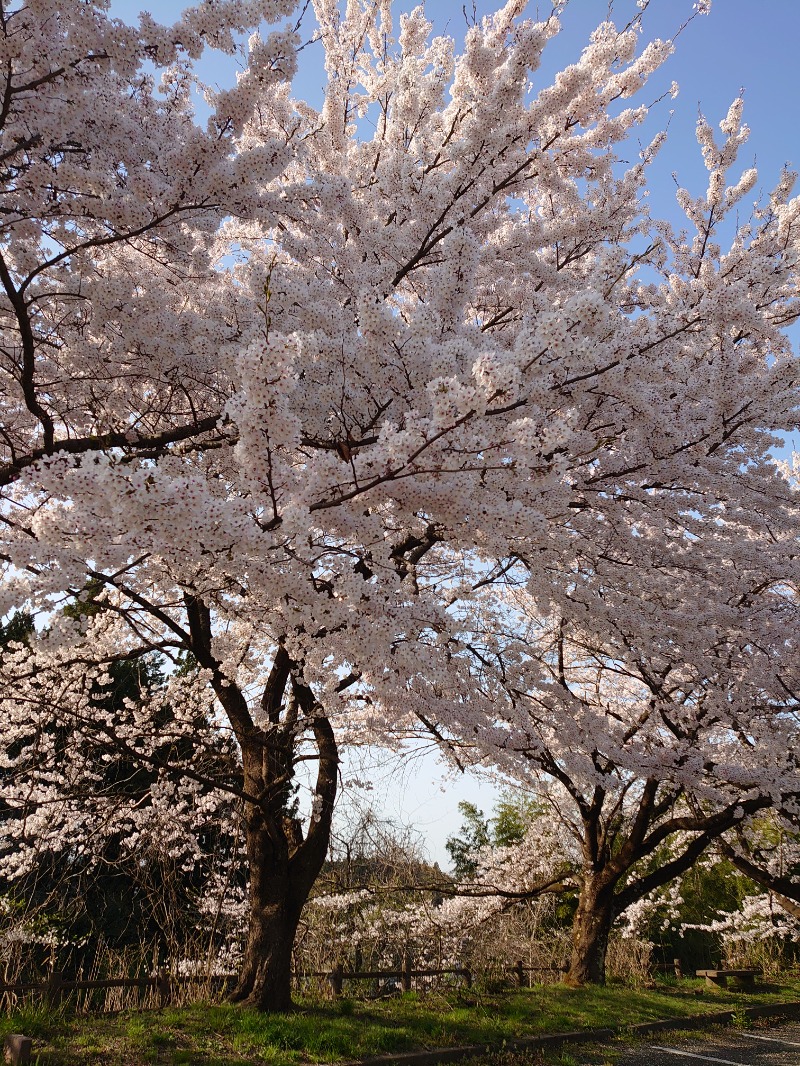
{"x":338,"y":975}
{"x":165,"y":984}
{"x":57,"y":987}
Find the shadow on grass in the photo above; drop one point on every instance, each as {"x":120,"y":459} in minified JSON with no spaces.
{"x":227,"y":1035}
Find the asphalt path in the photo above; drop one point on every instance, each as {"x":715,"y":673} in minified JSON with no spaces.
{"x":772,"y":1045}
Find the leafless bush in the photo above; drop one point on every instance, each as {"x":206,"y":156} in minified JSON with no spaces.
{"x":629,"y":960}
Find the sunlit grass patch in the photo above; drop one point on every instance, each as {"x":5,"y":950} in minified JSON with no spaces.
{"x":228,"y":1035}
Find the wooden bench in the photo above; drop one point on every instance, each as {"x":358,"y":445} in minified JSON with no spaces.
{"x":719,"y":978}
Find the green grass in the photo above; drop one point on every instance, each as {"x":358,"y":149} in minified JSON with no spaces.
{"x":225,"y":1035}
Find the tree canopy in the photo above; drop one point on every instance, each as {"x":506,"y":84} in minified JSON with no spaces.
{"x":294,"y":390}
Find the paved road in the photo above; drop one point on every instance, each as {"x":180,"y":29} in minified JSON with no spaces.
{"x":770,"y":1045}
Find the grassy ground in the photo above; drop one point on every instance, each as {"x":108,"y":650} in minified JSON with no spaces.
{"x":221,"y":1035}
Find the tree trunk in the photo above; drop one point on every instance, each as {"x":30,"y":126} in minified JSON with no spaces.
{"x":265,"y":980}
{"x":276,"y":902}
{"x":590,"y":931}
{"x":283,"y":867}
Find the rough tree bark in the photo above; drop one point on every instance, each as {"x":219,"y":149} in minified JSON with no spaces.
{"x":590,"y":931}
{"x":283,"y":867}
{"x":612,"y":848}
{"x":283,"y":862}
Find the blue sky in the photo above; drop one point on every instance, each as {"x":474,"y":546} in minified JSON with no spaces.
{"x":743,"y":44}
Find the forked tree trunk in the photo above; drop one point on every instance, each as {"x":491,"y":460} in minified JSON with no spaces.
{"x":283,"y":869}
{"x":283,"y":865}
{"x":590,"y":931}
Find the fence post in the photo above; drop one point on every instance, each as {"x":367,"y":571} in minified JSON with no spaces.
{"x":336,"y":978}
{"x":520,"y":972}
{"x":54,"y":988}
{"x":678,"y":968}
{"x":17,"y":1049}
{"x":163,"y":987}
{"x":406,"y":976}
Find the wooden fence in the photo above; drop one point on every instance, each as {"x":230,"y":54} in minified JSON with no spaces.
{"x":56,"y":988}
{"x":165,"y":985}
{"x":405,"y":975}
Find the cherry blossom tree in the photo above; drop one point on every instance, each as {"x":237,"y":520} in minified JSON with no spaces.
{"x":452,"y":341}
{"x":770,"y":859}
{"x":112,"y":194}
{"x":716,"y":907}
{"x":645,"y":757}
{"x":118,"y":826}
